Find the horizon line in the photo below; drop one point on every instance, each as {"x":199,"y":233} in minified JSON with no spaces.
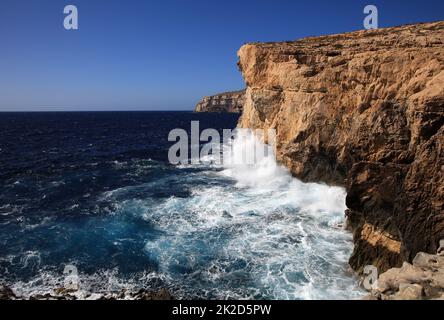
{"x":119,"y":110}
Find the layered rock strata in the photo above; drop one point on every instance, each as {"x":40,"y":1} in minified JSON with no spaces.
{"x":363,"y":110}
{"x":224,"y":102}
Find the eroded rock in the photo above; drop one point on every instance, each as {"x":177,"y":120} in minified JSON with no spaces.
{"x":424,"y":279}
{"x":224,"y":102}
{"x":6,"y":293}
{"x":364,"y":110}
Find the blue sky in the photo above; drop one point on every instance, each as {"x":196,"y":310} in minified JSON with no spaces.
{"x":157,"y":55}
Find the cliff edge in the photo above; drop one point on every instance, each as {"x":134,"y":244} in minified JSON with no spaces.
{"x":364,"y":110}
{"x":223,"y":102}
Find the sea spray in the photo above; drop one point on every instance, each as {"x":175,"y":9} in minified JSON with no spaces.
{"x":133,"y":220}
{"x":262,"y":235}
{"x":251,"y":162}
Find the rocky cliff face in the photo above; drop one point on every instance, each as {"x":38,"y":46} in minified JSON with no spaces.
{"x":223,"y":102}
{"x":364,"y":110}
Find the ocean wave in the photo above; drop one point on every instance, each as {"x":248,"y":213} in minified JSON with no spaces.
{"x":240,"y":230}
{"x":90,"y":286}
{"x":267,"y":235}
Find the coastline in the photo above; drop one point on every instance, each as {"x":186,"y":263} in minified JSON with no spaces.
{"x":363,"y":110}
{"x":349,"y":112}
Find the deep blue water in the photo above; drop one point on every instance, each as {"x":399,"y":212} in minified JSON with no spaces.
{"x":95,"y":190}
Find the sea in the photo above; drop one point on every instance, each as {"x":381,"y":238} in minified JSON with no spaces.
{"x":94,"y":192}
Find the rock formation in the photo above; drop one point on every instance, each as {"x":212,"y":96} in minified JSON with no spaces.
{"x":364,"y":110}
{"x":424,"y":279}
{"x":7,"y":293}
{"x":223,"y":102}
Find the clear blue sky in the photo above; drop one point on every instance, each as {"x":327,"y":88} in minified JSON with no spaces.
{"x":157,"y":55}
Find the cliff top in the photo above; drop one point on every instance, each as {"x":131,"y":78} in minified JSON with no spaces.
{"x":415,"y":31}
{"x":227,"y":93}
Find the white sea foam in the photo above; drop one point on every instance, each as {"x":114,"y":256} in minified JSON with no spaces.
{"x":247,"y":230}
{"x":91,"y":286}
{"x":268,"y":235}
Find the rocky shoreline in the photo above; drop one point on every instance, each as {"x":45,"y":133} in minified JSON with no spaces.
{"x":6,"y":293}
{"x":423,"y":279}
{"x":362,"y":110}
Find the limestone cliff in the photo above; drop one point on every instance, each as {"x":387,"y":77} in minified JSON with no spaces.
{"x":364,"y":110}
{"x":223,"y":102}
